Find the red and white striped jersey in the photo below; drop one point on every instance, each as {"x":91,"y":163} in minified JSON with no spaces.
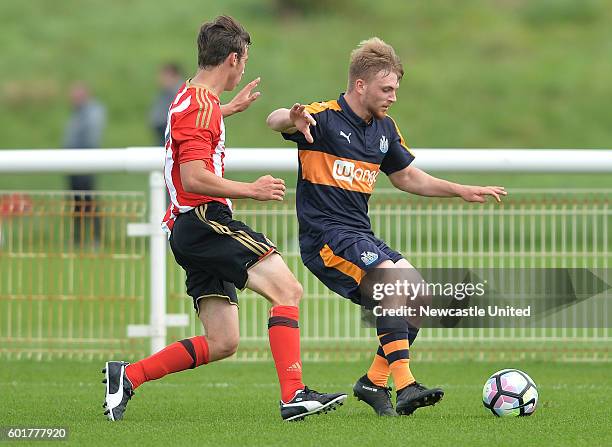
{"x":195,"y":131}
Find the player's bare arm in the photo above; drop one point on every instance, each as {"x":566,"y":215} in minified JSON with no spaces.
{"x":416,"y":181}
{"x":196,"y":179}
{"x":292,"y":120}
{"x":243,"y":99}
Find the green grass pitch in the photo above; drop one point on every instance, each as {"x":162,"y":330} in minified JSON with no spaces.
{"x":236,"y":403}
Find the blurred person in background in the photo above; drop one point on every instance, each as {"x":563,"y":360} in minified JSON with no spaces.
{"x":84,"y":131}
{"x":170,"y":81}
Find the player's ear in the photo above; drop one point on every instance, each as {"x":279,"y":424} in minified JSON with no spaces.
{"x":232,"y":58}
{"x":360,"y":86}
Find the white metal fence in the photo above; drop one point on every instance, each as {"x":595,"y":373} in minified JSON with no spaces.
{"x":76,"y":297}
{"x":65,"y":288}
{"x":532,"y":229}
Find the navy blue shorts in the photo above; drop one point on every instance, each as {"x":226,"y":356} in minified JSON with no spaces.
{"x":345,"y":259}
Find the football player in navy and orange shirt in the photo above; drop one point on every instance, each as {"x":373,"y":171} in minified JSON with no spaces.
{"x":343,"y":145}
{"x":217,"y":252}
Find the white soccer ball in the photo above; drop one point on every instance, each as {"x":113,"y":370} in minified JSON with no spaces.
{"x":510,"y":392}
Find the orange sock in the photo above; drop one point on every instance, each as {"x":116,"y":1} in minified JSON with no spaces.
{"x":284,"y":334}
{"x":178,"y":356}
{"x":379,"y":370}
{"x":395,"y":346}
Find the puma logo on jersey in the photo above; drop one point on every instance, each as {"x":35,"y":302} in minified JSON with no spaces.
{"x":348,"y":137}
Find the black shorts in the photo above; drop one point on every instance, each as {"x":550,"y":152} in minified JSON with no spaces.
{"x":216,"y":251}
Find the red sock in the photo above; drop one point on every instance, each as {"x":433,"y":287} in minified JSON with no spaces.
{"x":178,"y":356}
{"x":284,"y":336}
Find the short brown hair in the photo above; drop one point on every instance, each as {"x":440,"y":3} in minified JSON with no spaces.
{"x":218,"y":39}
{"x":370,"y":57}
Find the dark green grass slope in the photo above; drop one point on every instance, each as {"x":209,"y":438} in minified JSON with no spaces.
{"x":482,"y":73}
{"x":236,"y":404}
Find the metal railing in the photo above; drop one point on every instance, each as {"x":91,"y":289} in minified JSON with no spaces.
{"x":546,"y":228}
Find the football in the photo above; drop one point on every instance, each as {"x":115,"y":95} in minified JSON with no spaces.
{"x":510,"y":392}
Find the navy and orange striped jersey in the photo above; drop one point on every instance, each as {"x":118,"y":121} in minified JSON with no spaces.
{"x":338,"y":171}
{"x":195,"y":131}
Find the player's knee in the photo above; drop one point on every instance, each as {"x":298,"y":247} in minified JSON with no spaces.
{"x":289,"y":295}
{"x":229,"y":348}
{"x":294,"y":294}
{"x":224,"y":347}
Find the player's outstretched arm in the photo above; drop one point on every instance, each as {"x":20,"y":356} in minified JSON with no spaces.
{"x":196,"y":179}
{"x":243,"y":99}
{"x":416,"y":181}
{"x":292,"y":120}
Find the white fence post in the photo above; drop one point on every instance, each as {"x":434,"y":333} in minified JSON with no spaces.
{"x":159,"y":319}
{"x":157,"y":252}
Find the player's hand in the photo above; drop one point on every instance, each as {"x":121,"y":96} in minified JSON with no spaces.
{"x":302,"y":120}
{"x":244,"y":98}
{"x":479,"y":193}
{"x":268,"y":188}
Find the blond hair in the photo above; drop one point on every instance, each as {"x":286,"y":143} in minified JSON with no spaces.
{"x":370,"y":57}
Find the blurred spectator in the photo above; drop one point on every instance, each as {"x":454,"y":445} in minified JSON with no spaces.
{"x":170,"y":80}
{"x":84,"y":131}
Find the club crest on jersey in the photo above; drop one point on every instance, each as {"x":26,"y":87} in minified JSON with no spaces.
{"x":368,"y":257}
{"x":384,"y":144}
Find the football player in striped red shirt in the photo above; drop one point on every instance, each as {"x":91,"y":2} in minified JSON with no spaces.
{"x":218,"y":253}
